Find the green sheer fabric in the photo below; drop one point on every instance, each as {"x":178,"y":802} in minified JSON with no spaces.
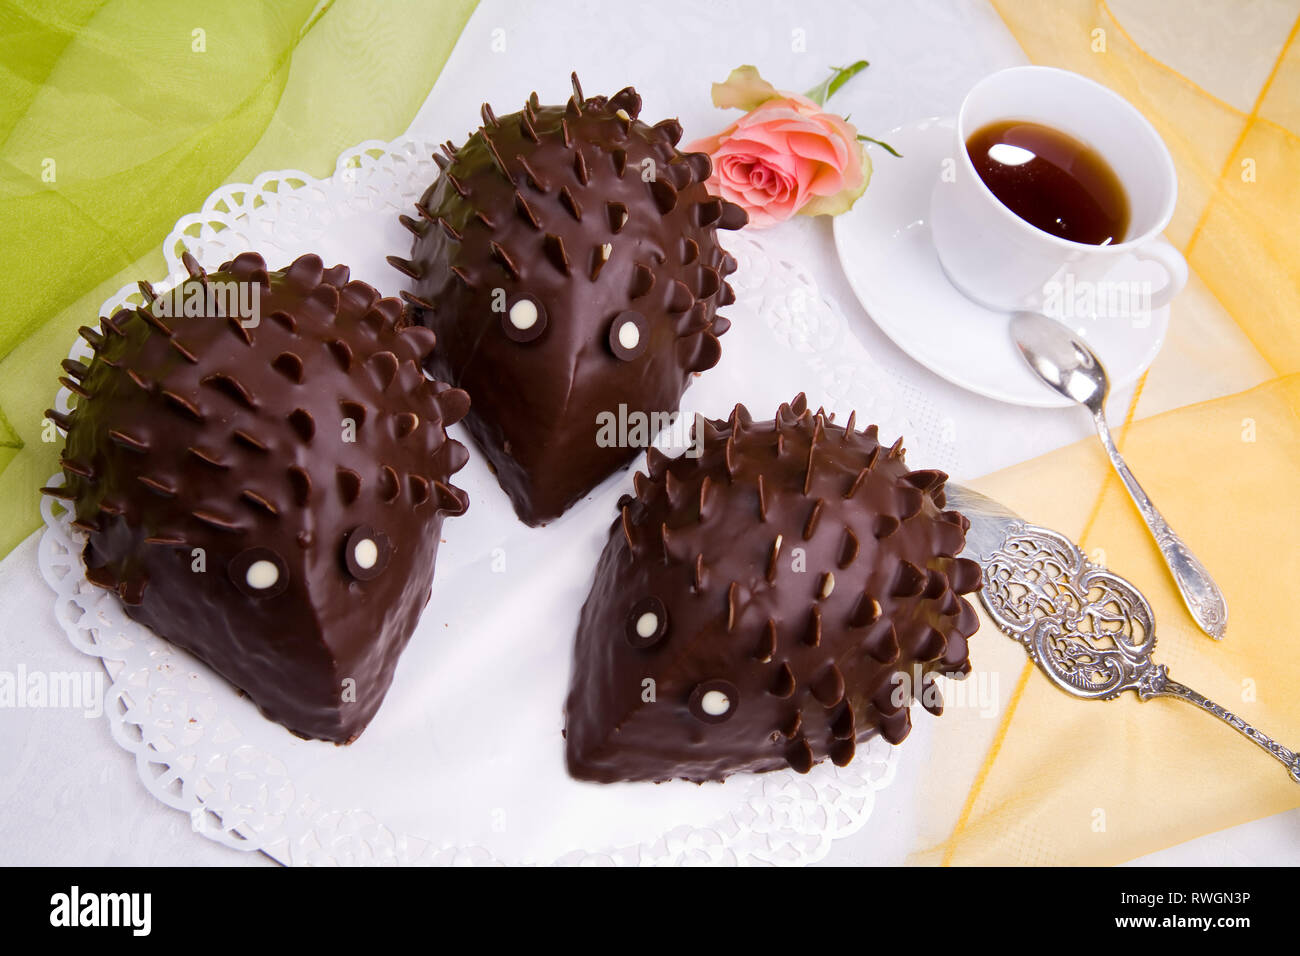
{"x":119,"y":116}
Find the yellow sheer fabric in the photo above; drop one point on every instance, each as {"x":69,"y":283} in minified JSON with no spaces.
{"x":1214,"y":434}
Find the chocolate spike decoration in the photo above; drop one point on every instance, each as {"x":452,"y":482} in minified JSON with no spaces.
{"x":809,"y":634}
{"x":541,"y":277}
{"x":207,"y":488}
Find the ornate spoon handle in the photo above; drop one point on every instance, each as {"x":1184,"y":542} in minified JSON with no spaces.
{"x":1171,"y":688}
{"x":1201,"y":595}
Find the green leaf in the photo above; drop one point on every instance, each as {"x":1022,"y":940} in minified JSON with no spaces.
{"x":840,"y":75}
{"x":882,"y":144}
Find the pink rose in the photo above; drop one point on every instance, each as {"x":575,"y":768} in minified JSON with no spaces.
{"x":786,"y":155}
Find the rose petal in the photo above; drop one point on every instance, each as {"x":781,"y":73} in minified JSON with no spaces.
{"x":743,"y":89}
{"x":827,"y":182}
{"x":843,"y":200}
{"x":741,"y":146}
{"x":847,"y":130}
{"x":770,"y":114}
{"x":772,"y":138}
{"x":819,"y":147}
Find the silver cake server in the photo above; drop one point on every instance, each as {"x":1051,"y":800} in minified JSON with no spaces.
{"x":1088,"y":629}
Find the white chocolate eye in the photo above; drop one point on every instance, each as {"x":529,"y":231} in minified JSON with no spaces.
{"x":647,"y":624}
{"x":523,"y":314}
{"x":715,"y":703}
{"x":629,"y":336}
{"x":262,"y":575}
{"x":259,"y":573}
{"x":524,"y":320}
{"x":366,"y":553}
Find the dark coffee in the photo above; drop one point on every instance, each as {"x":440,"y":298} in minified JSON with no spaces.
{"x":1051,"y":180}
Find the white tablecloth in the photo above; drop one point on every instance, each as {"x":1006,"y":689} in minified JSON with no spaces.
{"x":69,"y":795}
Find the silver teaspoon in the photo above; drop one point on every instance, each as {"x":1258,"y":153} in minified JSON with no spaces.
{"x":1070,"y":367}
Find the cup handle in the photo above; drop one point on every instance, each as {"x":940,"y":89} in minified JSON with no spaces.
{"x":1161,"y":251}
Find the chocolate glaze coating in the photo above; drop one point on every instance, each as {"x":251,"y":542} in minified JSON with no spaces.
{"x":589,"y":213}
{"x":192,"y":432}
{"x":800,"y":566}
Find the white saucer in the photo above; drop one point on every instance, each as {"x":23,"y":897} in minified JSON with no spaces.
{"x":886,"y":251}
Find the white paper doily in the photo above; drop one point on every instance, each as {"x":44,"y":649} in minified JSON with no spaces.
{"x":463,"y":763}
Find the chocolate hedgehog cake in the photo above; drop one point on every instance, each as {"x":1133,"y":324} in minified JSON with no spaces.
{"x":755,"y":606}
{"x":267,"y":492}
{"x":567,"y":260}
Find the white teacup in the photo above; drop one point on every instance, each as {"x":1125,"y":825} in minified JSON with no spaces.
{"x":1001,"y":261}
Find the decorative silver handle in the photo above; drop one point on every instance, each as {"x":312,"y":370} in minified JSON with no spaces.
{"x":1201,"y":595}
{"x":1171,"y":688}
{"x":1090,"y":631}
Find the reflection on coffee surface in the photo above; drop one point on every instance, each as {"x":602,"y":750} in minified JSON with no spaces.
{"x":1051,"y":180}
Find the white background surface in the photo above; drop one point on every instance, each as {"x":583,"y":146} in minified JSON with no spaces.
{"x":68,"y":795}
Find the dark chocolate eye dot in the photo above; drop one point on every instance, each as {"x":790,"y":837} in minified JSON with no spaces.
{"x":366,"y":552}
{"x":647,"y":622}
{"x":524,"y":320}
{"x":259,"y":572}
{"x":714,"y":701}
{"x":627,"y":335}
